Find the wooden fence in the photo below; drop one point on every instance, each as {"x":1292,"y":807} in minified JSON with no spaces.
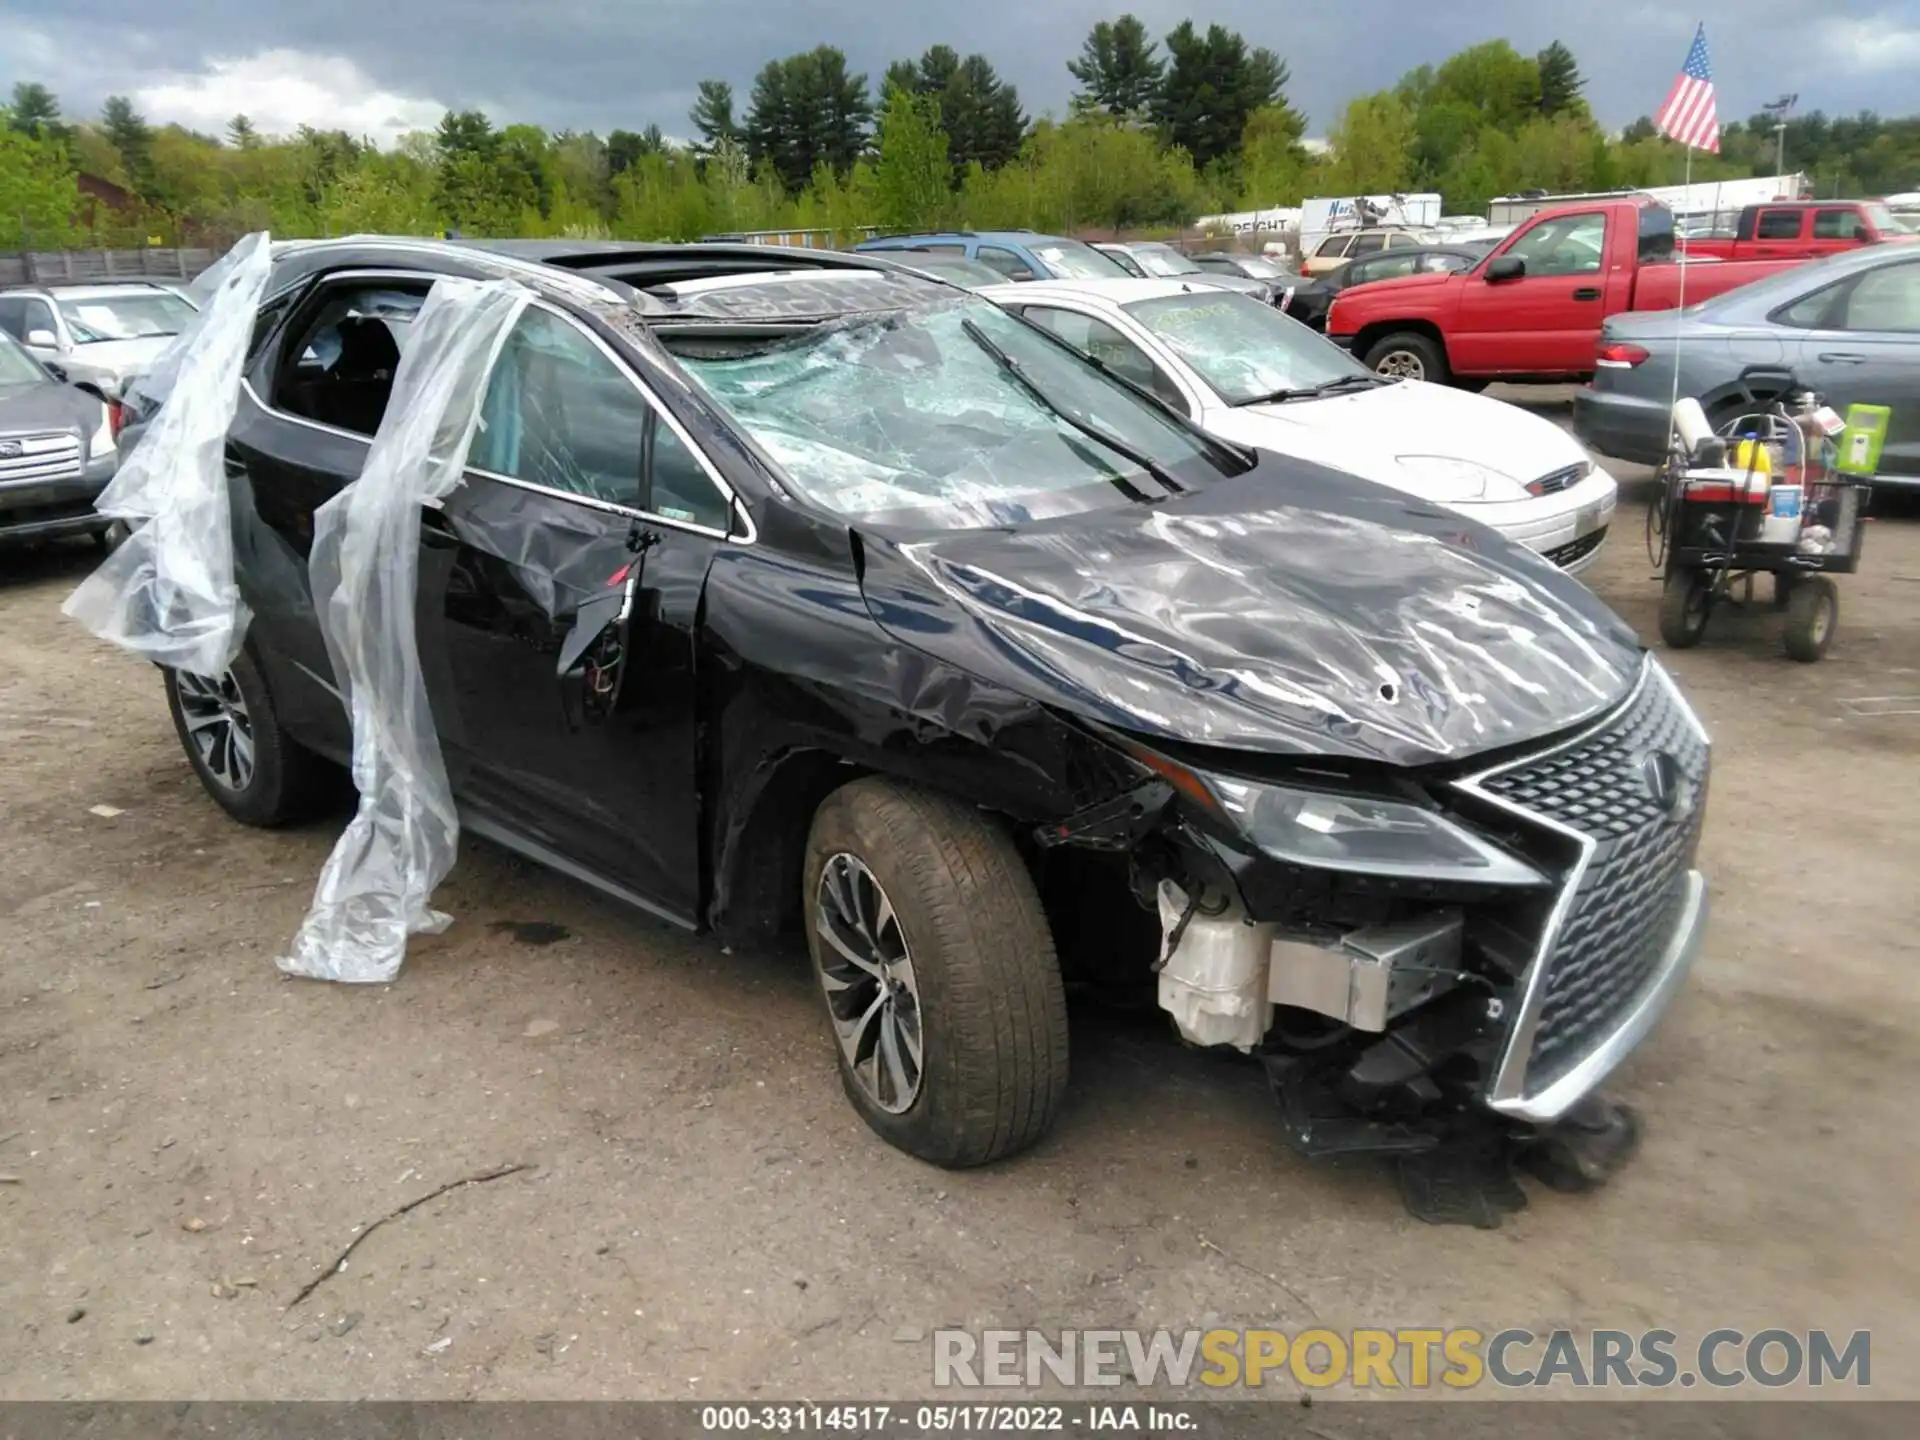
{"x":86,"y":267}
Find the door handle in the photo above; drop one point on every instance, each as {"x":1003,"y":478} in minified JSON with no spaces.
{"x":1842,"y":357}
{"x":1586,"y":292}
{"x":435,"y":526}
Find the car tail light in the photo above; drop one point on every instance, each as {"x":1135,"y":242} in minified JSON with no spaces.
{"x":116,"y":418}
{"x":1619,"y":356}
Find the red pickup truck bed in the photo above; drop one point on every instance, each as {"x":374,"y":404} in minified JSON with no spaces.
{"x":1532,"y":310}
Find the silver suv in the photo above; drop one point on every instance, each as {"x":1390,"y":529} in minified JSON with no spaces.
{"x":95,"y":336}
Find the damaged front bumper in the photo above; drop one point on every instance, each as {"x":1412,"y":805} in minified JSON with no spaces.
{"x":1384,"y":1003}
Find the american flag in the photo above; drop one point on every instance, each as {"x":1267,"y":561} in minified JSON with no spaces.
{"x":1689,"y":115}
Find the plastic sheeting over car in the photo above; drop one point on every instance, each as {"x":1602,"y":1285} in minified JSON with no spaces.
{"x":377,"y":884}
{"x":168,"y":594}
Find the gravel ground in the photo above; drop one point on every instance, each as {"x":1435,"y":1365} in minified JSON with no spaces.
{"x":189,"y":1138}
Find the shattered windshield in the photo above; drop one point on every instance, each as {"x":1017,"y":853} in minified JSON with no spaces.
{"x":1243,"y":349}
{"x":125,"y":317}
{"x":953,"y":415}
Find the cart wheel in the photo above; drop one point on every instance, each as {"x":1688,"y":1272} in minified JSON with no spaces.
{"x":1813,"y":610}
{"x":1683,"y":608}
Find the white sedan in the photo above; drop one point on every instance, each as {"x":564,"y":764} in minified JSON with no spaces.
{"x":1248,"y":373}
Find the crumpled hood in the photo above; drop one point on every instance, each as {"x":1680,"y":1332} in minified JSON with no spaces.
{"x":1365,"y":432}
{"x":1290,"y":610}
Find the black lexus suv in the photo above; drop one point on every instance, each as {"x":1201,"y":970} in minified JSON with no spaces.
{"x":799,"y":593}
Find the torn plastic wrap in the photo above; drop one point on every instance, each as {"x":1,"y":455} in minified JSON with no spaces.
{"x":375,"y":888}
{"x":168,"y":593}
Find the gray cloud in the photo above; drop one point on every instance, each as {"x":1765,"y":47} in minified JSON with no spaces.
{"x":591,"y":64}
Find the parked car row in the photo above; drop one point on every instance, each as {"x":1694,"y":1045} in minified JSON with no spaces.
{"x":947,"y":638}
{"x":66,"y":354}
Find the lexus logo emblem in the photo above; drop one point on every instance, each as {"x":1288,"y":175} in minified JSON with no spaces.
{"x":1663,"y":778}
{"x":11,"y":449}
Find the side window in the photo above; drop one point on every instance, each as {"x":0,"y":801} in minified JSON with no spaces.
{"x":1431,"y":264}
{"x":1371,"y":243}
{"x":1400,"y":242}
{"x":39,"y":316}
{"x":1333,"y":247}
{"x":680,"y":487}
{"x":1005,"y":261}
{"x":338,"y":369}
{"x":559,"y":413}
{"x":1107,"y":345}
{"x":1886,"y":300}
{"x":1836,"y":225}
{"x":1777,"y":225}
{"x":940,"y":249}
{"x":1570,"y":245}
{"x":13,"y":316}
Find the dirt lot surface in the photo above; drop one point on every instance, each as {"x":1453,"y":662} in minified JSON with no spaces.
{"x":189,"y":1138}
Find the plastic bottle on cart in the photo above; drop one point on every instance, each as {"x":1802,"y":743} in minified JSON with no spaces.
{"x":1784,"y":514}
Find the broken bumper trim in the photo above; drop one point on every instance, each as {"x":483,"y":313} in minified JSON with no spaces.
{"x":1548,"y":1105}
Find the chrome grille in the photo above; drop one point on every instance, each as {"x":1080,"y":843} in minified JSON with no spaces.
{"x":39,"y":457}
{"x":1554,"y":481}
{"x":1626,"y":897}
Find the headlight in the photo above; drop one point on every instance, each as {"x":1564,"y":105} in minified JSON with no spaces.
{"x":101,"y":442}
{"x":1375,"y":837}
{"x":1446,"y":480}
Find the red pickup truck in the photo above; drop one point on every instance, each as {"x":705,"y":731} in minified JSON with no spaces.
{"x":1802,"y":229}
{"x":1532,"y":310}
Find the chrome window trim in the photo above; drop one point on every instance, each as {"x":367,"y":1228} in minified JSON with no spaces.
{"x":735,"y":505}
{"x":1507,"y":1091}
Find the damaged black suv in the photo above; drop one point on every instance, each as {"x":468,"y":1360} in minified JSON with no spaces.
{"x":803,"y":593}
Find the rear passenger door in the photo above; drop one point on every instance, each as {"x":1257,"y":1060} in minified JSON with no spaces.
{"x":311,"y":402}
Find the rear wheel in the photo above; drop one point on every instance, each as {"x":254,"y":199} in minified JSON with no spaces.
{"x":939,"y":973}
{"x":1408,"y":355}
{"x":257,"y":772}
{"x":1813,"y":613}
{"x":1684,"y":606}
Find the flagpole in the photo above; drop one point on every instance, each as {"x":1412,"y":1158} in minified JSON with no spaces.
{"x":1673,"y":400}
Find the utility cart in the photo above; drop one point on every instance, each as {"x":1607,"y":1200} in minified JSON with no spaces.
{"x":1781,"y":492}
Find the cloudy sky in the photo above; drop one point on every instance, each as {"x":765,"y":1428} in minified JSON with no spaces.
{"x":381,"y":67}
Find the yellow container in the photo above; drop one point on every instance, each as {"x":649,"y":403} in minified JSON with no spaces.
{"x":1752,"y":456}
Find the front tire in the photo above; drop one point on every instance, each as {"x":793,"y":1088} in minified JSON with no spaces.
{"x":252,"y":768}
{"x":1685,"y":604}
{"x":933,"y":953}
{"x":1409,"y":355}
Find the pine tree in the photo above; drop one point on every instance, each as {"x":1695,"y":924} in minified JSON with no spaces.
{"x":34,"y":111}
{"x":805,"y":111}
{"x":712,"y":117}
{"x":132,"y":137}
{"x":1560,"y":79}
{"x":1118,"y":70}
{"x":979,"y":111}
{"x":241,"y":134}
{"x":1213,"y":85}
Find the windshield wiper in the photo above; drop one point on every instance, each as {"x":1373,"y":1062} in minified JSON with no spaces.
{"x":1334,"y":386}
{"x":1122,"y":448}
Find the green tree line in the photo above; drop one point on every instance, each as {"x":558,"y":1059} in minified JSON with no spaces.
{"x":1159,"y":132}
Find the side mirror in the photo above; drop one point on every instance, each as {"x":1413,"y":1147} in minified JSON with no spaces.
{"x":1507,"y":267}
{"x":43,"y":340}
